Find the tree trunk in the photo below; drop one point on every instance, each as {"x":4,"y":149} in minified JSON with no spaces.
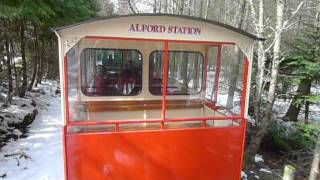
{"x":165,"y":10}
{"x":294,"y":108}
{"x":181,"y":7}
{"x":207,"y":9}
{"x":160,"y":6}
{"x":155,"y":6}
{"x":234,"y":73}
{"x":41,"y":58}
{"x":36,"y":59}
{"x":314,"y":171}
{"x":306,"y":112}
{"x":8,"y":63}
{"x":23,"y":88}
{"x":201,"y":9}
{"x":261,"y":65}
{"x":189,"y":8}
{"x":256,"y":139}
{"x":131,"y":7}
{"x":17,"y":80}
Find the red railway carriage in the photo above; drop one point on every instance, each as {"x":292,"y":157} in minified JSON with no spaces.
{"x":154,"y":96}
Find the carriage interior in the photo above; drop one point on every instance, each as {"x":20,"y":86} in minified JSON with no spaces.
{"x":122,"y":79}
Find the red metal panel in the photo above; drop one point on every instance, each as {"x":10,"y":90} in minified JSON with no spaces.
{"x":207,"y":153}
{"x":243,"y":107}
{"x":64,"y":132}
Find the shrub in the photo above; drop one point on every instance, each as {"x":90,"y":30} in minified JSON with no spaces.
{"x":291,"y":136}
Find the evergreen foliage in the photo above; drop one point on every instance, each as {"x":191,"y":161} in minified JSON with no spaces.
{"x":25,"y":32}
{"x":304,"y":60}
{"x":286,"y":138}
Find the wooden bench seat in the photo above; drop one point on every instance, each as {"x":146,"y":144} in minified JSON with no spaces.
{"x":100,"y":106}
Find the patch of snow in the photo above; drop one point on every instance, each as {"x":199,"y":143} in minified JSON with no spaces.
{"x":39,"y":156}
{"x":256,"y":176}
{"x":265,"y":170}
{"x":251,"y":120}
{"x":244,"y":176}
{"x":17,"y":132}
{"x":258,"y":158}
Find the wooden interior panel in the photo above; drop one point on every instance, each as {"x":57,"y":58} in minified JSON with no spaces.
{"x":98,"y":106}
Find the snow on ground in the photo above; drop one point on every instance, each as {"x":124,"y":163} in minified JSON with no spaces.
{"x":258,"y":158}
{"x":39,"y":156}
{"x":265,"y":170}
{"x":244,"y":176}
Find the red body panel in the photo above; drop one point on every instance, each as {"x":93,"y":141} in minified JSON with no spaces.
{"x":204,"y":153}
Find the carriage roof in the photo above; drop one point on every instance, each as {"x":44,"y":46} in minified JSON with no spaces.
{"x":212,"y":22}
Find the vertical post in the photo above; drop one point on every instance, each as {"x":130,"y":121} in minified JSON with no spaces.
{"x":243,"y":109}
{"x":244,"y":87}
{"x":65,"y":90}
{"x":66,"y":110}
{"x":64,"y":144}
{"x":164,"y":82}
{"x":216,"y":79}
{"x":77,"y":60}
{"x":204,"y":72}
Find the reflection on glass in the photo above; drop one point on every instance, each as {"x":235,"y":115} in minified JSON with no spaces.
{"x":184,"y":73}
{"x":111,"y":72}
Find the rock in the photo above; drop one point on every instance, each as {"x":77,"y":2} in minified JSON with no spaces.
{"x":3,"y":175}
{"x":33,"y":103}
{"x":57,"y":91}
{"x":3,"y":130}
{"x":28,"y":119}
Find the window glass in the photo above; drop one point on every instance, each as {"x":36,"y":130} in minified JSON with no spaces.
{"x":184,"y":73}
{"x":230,"y":79}
{"x":111,"y":72}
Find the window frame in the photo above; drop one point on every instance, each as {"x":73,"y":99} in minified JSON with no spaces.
{"x":202,"y":74}
{"x":110,"y":49}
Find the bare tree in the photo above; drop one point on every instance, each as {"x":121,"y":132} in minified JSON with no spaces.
{"x":260,"y":29}
{"x":207,"y":9}
{"x":155,"y":6}
{"x":165,"y":8}
{"x":23,"y":88}
{"x":8,"y":63}
{"x":36,"y":58}
{"x":257,"y":138}
{"x":132,"y":7}
{"x":189,"y":7}
{"x":201,"y":8}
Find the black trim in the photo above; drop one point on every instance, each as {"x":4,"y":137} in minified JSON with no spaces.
{"x":240,"y":31}
{"x":202,"y":62}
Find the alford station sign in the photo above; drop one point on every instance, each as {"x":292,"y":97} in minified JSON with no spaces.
{"x":151,"y":28}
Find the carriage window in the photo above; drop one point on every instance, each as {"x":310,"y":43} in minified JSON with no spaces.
{"x":111,"y":72}
{"x":184,"y":73}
